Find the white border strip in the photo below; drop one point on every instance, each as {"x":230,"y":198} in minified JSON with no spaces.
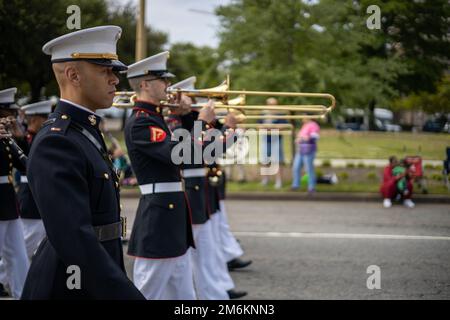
{"x":337,"y":235}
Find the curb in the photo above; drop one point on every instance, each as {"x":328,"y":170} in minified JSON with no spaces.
{"x":319,"y":196}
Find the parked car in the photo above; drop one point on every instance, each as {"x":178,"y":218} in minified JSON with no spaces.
{"x":357,"y":119}
{"x":353,"y":126}
{"x":436,"y":125}
{"x":384,"y":120}
{"x":447,"y":127}
{"x":351,"y":119}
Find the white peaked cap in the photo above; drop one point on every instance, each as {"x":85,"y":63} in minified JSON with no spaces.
{"x":154,"y":65}
{"x":41,"y":107}
{"x":7,"y":96}
{"x":187,"y":84}
{"x":96,"y":45}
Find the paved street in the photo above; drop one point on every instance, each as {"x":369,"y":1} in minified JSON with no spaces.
{"x":321,"y":250}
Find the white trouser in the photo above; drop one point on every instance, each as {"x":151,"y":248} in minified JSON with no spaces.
{"x":34,"y":233}
{"x":231,"y":248}
{"x":165,"y":279}
{"x":14,"y":256}
{"x":204,"y":264}
{"x":223,"y":274}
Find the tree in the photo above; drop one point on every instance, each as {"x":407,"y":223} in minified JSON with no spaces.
{"x":417,"y":33}
{"x":125,"y":17}
{"x":295,"y":46}
{"x":25,"y":27}
{"x":325,"y":46}
{"x":437,"y":102}
{"x":28,"y":25}
{"x":187,"y":60}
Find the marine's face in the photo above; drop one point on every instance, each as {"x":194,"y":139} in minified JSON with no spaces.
{"x":35,"y":122}
{"x":157,"y":87}
{"x":98,"y":85}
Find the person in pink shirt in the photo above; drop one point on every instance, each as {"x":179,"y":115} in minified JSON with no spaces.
{"x":306,"y":142}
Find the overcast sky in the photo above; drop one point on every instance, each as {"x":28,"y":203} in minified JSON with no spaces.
{"x":180,"y":20}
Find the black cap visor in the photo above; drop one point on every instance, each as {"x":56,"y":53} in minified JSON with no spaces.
{"x":161,"y":73}
{"x":115,"y":64}
{"x":9,"y":106}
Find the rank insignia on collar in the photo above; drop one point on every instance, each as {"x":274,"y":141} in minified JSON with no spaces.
{"x":92,"y":119}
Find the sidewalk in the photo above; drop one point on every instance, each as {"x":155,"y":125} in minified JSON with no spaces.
{"x":319,"y":196}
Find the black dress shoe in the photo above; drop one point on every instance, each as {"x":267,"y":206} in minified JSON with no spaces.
{"x":3,"y":292}
{"x":236,"y":294}
{"x":238,"y":264}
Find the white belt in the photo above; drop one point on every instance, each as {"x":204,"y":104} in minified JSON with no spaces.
{"x":5,"y":179}
{"x":23,"y":179}
{"x":193,"y":173}
{"x":160,"y":187}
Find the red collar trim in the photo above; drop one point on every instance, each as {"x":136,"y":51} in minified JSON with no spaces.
{"x":147,"y":112}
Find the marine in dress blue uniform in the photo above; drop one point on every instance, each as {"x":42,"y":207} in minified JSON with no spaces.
{"x":73,"y":181}
{"x":36,"y":114}
{"x":203,"y":256}
{"x":211,"y":275}
{"x":12,"y":245}
{"x":215,"y":192}
{"x":162,"y":232}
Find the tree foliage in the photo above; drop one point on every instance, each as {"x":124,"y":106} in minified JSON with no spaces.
{"x":325,"y":46}
{"x":436,"y":102}
{"x":187,"y":60}
{"x":27,"y":25}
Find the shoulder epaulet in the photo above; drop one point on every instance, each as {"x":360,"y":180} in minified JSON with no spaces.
{"x":142,"y":113}
{"x":48,"y":122}
{"x":59,"y":125}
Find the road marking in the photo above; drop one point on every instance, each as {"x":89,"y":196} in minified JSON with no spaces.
{"x":337,"y":235}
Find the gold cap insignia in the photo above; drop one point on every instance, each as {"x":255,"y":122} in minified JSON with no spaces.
{"x":92,"y":119}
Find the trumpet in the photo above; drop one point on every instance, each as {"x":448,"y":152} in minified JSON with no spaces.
{"x":222,"y":95}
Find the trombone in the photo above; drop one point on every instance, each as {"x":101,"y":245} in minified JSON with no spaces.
{"x":222,"y":94}
{"x":281,"y":128}
{"x":11,"y":143}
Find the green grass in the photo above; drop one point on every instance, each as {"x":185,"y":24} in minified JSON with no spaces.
{"x":340,"y":187}
{"x":380,"y":145}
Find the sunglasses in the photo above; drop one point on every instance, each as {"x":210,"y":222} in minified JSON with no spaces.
{"x":166,"y":81}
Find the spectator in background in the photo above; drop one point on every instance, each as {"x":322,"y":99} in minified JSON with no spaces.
{"x":396,"y":182}
{"x":272,"y":147}
{"x":122,"y":164}
{"x":306,"y":142}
